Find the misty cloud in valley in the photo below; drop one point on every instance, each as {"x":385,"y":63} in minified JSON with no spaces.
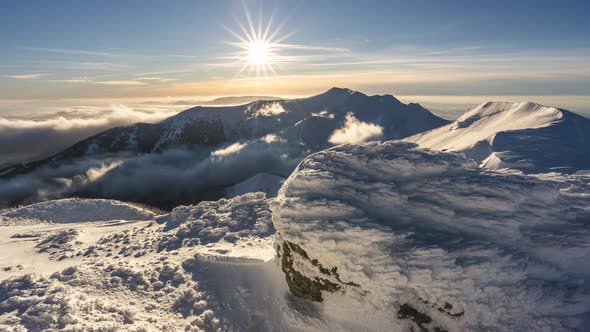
{"x":167,"y":179}
{"x":30,"y":139}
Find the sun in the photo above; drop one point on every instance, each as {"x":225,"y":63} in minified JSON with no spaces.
{"x":258,"y":47}
{"x":258,"y":53}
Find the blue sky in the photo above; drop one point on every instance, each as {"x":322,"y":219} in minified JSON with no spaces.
{"x":132,"y":48}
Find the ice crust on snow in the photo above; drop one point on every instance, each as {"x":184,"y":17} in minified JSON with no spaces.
{"x":525,"y":136}
{"x":437,"y":240}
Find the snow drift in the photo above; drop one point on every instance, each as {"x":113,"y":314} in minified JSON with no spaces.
{"x":390,"y":237}
{"x":79,"y":210}
{"x":525,"y":136}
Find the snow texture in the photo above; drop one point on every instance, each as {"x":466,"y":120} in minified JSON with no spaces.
{"x":207,"y":267}
{"x":411,"y":239}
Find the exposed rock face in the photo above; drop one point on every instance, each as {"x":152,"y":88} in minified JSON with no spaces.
{"x":309,"y":288}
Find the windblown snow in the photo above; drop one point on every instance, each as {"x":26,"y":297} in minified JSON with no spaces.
{"x":391,"y":237}
{"x":525,"y":136}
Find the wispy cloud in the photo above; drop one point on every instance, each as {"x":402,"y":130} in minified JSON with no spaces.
{"x":73,"y":80}
{"x":74,"y":52}
{"x":163,"y":72}
{"x":156,"y":79}
{"x":120,"y":83}
{"x":313,"y":48}
{"x":82,"y":65}
{"x":26,"y":76}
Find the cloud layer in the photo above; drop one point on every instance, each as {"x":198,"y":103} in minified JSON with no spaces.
{"x":195,"y":175}
{"x":24,"y":139}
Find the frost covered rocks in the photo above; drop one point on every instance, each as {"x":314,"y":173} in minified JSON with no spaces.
{"x":242,"y":217}
{"x":205,"y":267}
{"x":388,"y":236}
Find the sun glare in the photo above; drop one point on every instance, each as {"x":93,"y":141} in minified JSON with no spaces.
{"x":258,"y":47}
{"x":258,"y":53}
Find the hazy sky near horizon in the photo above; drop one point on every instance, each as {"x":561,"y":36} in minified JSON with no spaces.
{"x":147,"y":49}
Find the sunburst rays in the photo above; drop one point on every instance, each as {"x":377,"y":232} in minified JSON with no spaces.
{"x":259,"y":45}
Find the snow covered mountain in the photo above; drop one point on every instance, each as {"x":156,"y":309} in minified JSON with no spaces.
{"x":371,"y":237}
{"x":525,"y":136}
{"x":307,"y":122}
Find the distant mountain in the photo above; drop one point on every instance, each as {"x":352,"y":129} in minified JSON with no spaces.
{"x":306,"y":123}
{"x":223,"y":101}
{"x":525,"y":136}
{"x":236,"y":100}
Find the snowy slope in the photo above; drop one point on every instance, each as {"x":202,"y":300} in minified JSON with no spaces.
{"x":71,"y":210}
{"x":261,"y":182}
{"x":199,"y":268}
{"x":390,"y":237}
{"x":525,"y":136}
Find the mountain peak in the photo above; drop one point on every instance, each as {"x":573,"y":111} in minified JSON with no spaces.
{"x":525,"y":136}
{"x":529,"y":114}
{"x":337,"y":90}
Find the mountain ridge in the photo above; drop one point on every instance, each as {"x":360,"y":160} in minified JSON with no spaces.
{"x":525,"y":136}
{"x":213,"y":126}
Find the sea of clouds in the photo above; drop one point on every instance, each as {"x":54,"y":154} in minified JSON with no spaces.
{"x":26,"y":139}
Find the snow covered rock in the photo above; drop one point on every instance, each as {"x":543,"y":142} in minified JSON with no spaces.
{"x":525,"y":136}
{"x":230,"y":221}
{"x":387,"y":236}
{"x":71,"y":210}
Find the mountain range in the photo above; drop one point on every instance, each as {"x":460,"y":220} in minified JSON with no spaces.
{"x":367,"y":232}
{"x":207,"y":152}
{"x":306,"y":122}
